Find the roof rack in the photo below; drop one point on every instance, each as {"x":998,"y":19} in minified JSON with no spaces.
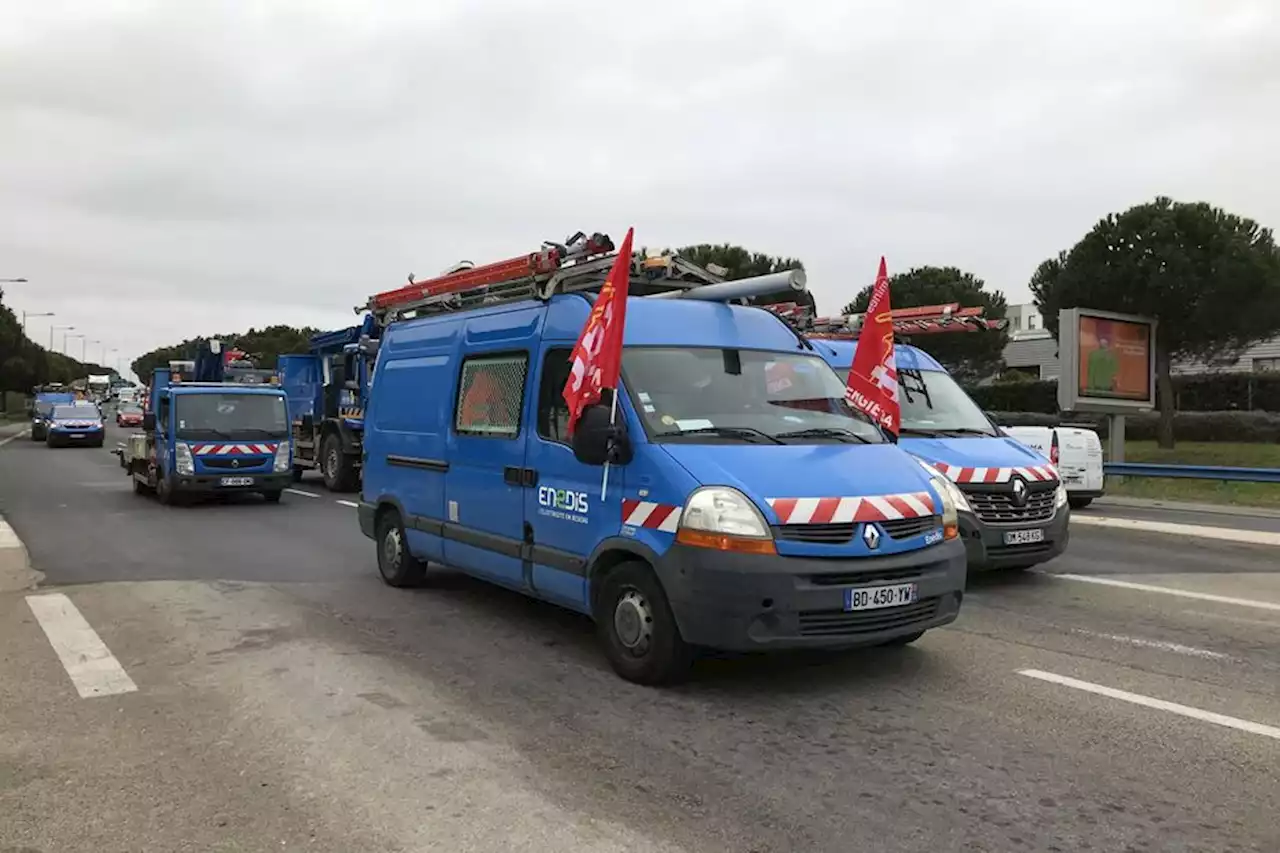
{"x":579,"y":264}
{"x":921,"y":320}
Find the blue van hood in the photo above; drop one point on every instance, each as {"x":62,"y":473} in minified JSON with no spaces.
{"x":802,"y":470}
{"x":976,"y":452}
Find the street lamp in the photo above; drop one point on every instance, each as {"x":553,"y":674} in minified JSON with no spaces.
{"x":65,"y":338}
{"x":64,"y":330}
{"x":26,"y":314}
{"x":13,"y":281}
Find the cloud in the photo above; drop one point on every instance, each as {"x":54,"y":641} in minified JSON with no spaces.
{"x":176,"y":169}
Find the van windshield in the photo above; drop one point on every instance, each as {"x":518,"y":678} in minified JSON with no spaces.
{"x":230,"y":415}
{"x":705,"y":395}
{"x":934,"y":405}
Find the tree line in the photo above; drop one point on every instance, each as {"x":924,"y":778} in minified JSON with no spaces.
{"x":25,"y":364}
{"x":1211,"y":278}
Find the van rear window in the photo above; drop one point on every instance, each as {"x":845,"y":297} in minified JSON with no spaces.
{"x":491,"y":396}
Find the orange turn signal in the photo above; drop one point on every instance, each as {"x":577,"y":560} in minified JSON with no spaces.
{"x":950,"y":531}
{"x":721,"y":542}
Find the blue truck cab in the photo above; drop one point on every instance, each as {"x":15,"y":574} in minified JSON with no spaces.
{"x":1014,"y":514}
{"x":46,"y":397}
{"x":327,"y":389}
{"x":747,"y":507}
{"x":202,"y":435}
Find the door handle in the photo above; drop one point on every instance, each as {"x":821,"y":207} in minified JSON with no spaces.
{"x":529,"y":478}
{"x":513,"y":476}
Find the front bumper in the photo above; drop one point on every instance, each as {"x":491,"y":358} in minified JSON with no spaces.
{"x":75,"y":436}
{"x":986,"y":547}
{"x":748,"y":602}
{"x":209,"y":483}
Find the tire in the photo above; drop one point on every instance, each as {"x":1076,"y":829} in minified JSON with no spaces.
{"x":139,"y":487}
{"x":904,"y":640}
{"x":397,"y":566}
{"x":338,"y":469}
{"x":49,"y":441}
{"x":165,"y":492}
{"x":638,"y":629}
{"x":297,"y":474}
{"x":1078,"y":503}
{"x":273,"y":496}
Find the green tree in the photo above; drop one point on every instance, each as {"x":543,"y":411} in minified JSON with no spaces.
{"x":970,"y":356}
{"x":25,"y":364}
{"x":264,"y":346}
{"x":742,"y":263}
{"x":1211,"y":279}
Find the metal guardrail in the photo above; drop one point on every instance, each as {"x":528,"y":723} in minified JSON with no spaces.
{"x":1192,"y":472}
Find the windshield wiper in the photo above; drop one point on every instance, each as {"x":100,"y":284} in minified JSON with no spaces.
{"x":823,"y":432}
{"x":945,"y":431}
{"x":270,"y":433}
{"x":727,"y":432}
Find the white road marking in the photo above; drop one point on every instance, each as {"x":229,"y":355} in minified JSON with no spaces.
{"x":300,"y":492}
{"x":1161,"y":645}
{"x":1158,"y":704}
{"x":4,"y":441}
{"x":352,"y":504}
{"x":93,"y":669}
{"x":8,"y":539}
{"x":1195,"y":531}
{"x":1166,"y":590}
{"x":1238,"y":619}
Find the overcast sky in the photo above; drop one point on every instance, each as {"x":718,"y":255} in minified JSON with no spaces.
{"x":176,"y":168}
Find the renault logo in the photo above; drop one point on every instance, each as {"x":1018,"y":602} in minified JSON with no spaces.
{"x":235,"y":463}
{"x":1019,"y":491}
{"x":871,"y":536}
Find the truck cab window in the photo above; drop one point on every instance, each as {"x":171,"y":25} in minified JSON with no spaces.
{"x":553,"y":412}
{"x":162,"y":415}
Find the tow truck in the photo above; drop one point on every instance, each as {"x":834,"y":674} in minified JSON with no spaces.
{"x":207,"y":432}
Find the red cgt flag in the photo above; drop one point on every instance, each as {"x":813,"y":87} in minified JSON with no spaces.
{"x":597,"y":357}
{"x":873,"y":379}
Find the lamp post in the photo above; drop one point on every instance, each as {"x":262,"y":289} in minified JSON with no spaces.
{"x":64,"y":330}
{"x":13,"y":281}
{"x":26,"y":314}
{"x":66,"y":338}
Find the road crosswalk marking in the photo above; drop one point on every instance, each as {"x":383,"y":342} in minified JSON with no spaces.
{"x":92,"y":668}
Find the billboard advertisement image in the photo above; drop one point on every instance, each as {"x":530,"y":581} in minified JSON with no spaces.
{"x":1115,"y":358}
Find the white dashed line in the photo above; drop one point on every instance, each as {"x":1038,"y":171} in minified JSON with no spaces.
{"x":1158,"y":704}
{"x":352,"y":504}
{"x":1165,"y":590}
{"x":1195,"y":531}
{"x":1159,"y":645}
{"x":4,"y":441}
{"x":300,"y":492}
{"x":93,"y":669}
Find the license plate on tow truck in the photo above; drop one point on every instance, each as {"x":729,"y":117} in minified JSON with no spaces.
{"x":876,"y":597}
{"x":236,"y":481}
{"x":1023,"y":537}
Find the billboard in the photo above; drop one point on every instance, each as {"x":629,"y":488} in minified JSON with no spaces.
{"x":1108,"y":361}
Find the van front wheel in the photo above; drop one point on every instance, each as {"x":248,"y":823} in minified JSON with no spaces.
{"x":638,"y":629}
{"x":398,"y":567}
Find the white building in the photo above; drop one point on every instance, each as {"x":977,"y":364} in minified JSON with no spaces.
{"x":1032,"y":350}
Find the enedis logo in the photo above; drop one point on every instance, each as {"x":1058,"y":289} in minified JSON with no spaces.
{"x":562,"y":500}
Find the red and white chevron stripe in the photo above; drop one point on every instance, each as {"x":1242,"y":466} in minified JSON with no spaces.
{"x":654,"y":516}
{"x":847,"y":510}
{"x":957,"y":474}
{"x":233,"y":449}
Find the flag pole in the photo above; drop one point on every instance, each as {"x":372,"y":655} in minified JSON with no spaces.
{"x":613,"y":416}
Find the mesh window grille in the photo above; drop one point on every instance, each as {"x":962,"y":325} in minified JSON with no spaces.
{"x":490,"y":399}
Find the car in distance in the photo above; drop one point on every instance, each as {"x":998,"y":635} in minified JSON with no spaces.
{"x":129,"y":416}
{"x":70,"y":424}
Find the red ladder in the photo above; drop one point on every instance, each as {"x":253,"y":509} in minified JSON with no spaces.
{"x":921,"y":320}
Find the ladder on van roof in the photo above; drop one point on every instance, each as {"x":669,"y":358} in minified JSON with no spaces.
{"x":921,"y":320}
{"x":579,"y":264}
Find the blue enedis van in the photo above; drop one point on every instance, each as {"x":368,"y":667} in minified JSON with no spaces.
{"x":1014,"y":510}
{"x":748,"y":507}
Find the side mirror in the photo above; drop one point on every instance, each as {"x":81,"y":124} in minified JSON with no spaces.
{"x":149,"y":422}
{"x":596,"y":441}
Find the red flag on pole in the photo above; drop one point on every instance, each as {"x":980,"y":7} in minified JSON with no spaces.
{"x":873,"y":379}
{"x":597,"y":357}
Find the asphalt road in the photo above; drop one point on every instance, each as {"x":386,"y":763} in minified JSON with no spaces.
{"x":284,"y":699}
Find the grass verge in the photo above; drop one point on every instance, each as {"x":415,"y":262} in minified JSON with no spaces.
{"x":1201,"y":491}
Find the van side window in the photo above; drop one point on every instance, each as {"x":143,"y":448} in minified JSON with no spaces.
{"x":553,"y":412}
{"x":491,"y":395}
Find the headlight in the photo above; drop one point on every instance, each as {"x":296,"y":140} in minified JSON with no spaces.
{"x":724,"y":519}
{"x":1060,"y":496}
{"x":953,"y":500}
{"x":183,"y":462}
{"x":281,"y":464}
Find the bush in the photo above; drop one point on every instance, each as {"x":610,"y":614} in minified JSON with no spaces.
{"x":1199,"y":392}
{"x":1239,"y":427}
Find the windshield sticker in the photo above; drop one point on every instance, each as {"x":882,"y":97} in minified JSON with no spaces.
{"x":692,"y":423}
{"x":667,"y":420}
{"x":644,"y":397}
{"x":649,"y":409}
{"x":563,"y":504}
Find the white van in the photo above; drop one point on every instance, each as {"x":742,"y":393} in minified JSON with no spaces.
{"x":1075,"y":451}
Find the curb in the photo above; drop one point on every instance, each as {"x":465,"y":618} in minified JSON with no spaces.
{"x":1180,"y":506}
{"x":17,"y":435}
{"x":16,"y":574}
